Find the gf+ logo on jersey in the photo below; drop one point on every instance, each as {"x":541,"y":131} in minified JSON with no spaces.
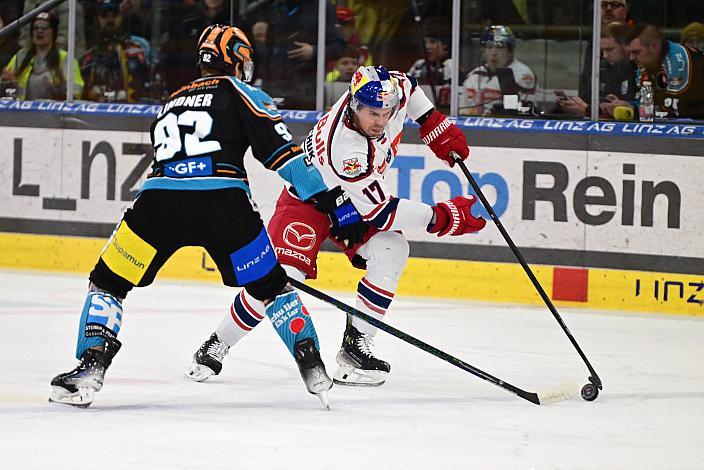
{"x":191,"y":167}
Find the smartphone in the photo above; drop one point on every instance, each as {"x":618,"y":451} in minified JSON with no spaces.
{"x":560,"y":95}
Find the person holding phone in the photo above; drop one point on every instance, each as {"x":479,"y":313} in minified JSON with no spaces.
{"x":617,"y":75}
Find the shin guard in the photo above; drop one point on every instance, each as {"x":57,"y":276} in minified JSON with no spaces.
{"x":100,"y":322}
{"x":291,"y":320}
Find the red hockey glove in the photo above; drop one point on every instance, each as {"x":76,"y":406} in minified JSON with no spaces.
{"x":454,"y":217}
{"x":443,"y":137}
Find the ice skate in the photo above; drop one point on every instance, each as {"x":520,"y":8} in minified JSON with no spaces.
{"x":312,"y":370}
{"x":207,"y":361}
{"x":77,"y":387}
{"x":357,"y":364}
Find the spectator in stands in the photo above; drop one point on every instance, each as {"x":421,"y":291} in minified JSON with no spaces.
{"x":614,"y":10}
{"x":498,"y":11}
{"x":61,"y":12}
{"x":617,"y":76}
{"x":349,"y":33}
{"x":116,"y":69}
{"x":178,"y":63}
{"x":500,"y":74}
{"x":676,"y":72}
{"x":435,"y":69}
{"x":611,"y":11}
{"x":8,"y":43}
{"x":693,"y":36}
{"x":292,"y":38}
{"x":38,"y":71}
{"x":346,"y":65}
{"x":260,"y":31}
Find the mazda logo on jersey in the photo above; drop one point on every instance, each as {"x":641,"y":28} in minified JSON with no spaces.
{"x":300,"y":236}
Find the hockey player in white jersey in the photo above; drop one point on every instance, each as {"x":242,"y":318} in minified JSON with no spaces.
{"x":500,"y":74}
{"x":353,"y":146}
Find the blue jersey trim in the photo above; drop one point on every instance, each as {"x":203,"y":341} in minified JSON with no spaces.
{"x":256,"y":97}
{"x":194,"y":184}
{"x":305,"y":179}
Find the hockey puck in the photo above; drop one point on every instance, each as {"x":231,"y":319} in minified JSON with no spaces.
{"x":590,"y":392}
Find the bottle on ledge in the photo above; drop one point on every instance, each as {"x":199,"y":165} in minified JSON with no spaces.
{"x":647,"y":104}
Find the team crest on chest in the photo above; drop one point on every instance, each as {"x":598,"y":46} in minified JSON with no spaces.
{"x":351,"y":166}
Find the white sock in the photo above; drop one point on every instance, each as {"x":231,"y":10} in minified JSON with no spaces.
{"x":245,"y":313}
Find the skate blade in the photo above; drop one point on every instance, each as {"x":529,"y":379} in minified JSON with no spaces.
{"x":199,"y":373}
{"x":324,"y":399}
{"x":80,"y":399}
{"x":352,"y":377}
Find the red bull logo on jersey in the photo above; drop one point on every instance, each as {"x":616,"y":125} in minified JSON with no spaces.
{"x":351,"y":167}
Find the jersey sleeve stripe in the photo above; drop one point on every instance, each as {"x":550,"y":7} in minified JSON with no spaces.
{"x":282,"y":156}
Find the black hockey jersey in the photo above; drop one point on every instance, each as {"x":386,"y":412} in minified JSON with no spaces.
{"x":204,"y":129}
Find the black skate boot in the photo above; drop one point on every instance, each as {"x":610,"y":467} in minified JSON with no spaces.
{"x":358,"y":365}
{"x":207,"y":361}
{"x":78,"y":386}
{"x":312,"y":369}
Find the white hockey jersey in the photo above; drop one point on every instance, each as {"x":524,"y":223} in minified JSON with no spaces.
{"x":482,"y":89}
{"x":347,"y":158}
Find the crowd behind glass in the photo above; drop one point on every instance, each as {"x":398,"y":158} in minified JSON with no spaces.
{"x":527,"y":58}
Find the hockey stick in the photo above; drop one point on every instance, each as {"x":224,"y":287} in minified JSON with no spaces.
{"x":593,"y":378}
{"x":537,"y":398}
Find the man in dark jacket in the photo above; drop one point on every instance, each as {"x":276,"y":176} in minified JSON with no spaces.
{"x":178,"y":66}
{"x":617,"y":76}
{"x":292,"y":38}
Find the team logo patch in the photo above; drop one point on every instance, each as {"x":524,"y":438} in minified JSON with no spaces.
{"x":200,"y":166}
{"x":127,"y":255}
{"x":351,"y":167}
{"x":624,"y":87}
{"x":254,"y":260}
{"x":299,"y":236}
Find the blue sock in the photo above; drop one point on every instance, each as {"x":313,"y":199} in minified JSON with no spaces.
{"x":291,"y":320}
{"x":101,"y":318}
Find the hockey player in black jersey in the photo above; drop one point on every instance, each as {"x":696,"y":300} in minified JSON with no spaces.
{"x":197,"y":194}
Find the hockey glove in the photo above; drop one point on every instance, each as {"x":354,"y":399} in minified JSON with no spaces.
{"x":347,"y":225}
{"x":454,"y":217}
{"x":443,"y":137}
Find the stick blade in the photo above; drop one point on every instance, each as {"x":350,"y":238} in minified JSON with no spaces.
{"x":562,"y":392}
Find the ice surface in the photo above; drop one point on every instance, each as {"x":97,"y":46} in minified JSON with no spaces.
{"x":429,"y":415}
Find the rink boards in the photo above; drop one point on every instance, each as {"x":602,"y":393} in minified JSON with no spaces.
{"x":601,"y":228}
{"x":601,"y":289}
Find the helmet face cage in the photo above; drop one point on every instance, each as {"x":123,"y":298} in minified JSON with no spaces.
{"x":498,"y":36}
{"x":221,"y":47}
{"x":373,"y":87}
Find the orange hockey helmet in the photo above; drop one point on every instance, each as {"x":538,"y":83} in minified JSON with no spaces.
{"x":221,"y":47}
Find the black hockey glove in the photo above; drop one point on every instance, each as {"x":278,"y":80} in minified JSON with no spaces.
{"x":347,"y":225}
